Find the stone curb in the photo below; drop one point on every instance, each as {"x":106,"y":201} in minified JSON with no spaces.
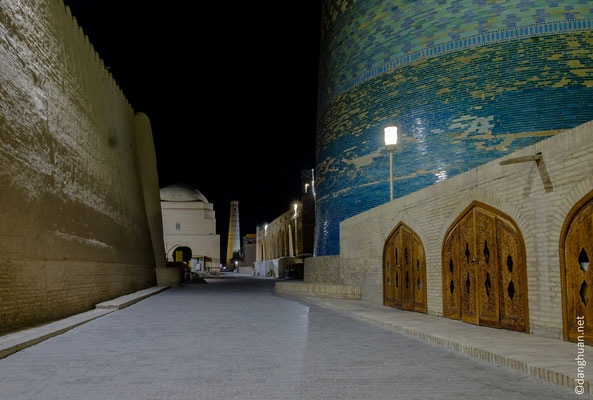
{"x":14,"y":342}
{"x":541,"y":372}
{"x":129,"y":299}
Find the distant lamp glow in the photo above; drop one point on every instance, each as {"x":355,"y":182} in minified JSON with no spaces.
{"x":390,"y":142}
{"x":266,"y":228}
{"x":296,"y":207}
{"x":306,"y":188}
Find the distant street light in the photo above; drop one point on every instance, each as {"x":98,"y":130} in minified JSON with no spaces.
{"x":390,"y":142}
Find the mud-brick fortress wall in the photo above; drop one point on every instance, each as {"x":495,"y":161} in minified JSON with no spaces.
{"x":538,"y":197}
{"x":73,"y":223}
{"x":466,"y":81}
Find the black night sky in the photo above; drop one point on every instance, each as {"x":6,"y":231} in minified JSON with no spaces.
{"x":230,"y":89}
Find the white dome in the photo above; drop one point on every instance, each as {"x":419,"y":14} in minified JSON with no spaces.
{"x":182,"y":193}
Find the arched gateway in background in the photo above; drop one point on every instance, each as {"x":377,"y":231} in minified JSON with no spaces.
{"x":189,"y":220}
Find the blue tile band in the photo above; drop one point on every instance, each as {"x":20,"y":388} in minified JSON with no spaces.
{"x":455,"y":111}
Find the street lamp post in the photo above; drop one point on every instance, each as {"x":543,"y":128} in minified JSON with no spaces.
{"x":390,"y":142}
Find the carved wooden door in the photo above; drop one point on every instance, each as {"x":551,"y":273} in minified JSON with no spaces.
{"x":578,"y":249}
{"x":513,"y":290}
{"x":388,"y":273}
{"x":468,"y":269}
{"x":407,"y":271}
{"x":404,"y":271}
{"x":397,"y":279}
{"x":487,"y":268}
{"x":484,"y":273}
{"x":451,"y":287}
{"x":419,"y":282}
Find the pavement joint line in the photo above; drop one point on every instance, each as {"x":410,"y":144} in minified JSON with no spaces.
{"x":17,"y":341}
{"x":545,"y":370}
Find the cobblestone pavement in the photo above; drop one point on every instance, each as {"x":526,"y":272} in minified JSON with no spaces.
{"x":233,"y":339}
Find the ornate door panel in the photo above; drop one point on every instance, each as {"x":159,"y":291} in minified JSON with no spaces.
{"x":404,"y":270}
{"x":450,"y":273}
{"x":484,"y":276}
{"x":487,"y":268}
{"x":468,"y":269}
{"x":397,"y":288}
{"x":419,"y":268}
{"x":578,"y":249}
{"x":513,"y":290}
{"x":407,"y":278}
{"x":388,"y":268}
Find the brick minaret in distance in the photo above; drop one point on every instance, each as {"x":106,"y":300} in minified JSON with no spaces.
{"x":234,"y":242}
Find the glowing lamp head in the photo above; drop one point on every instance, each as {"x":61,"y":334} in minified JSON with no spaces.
{"x":390,"y":135}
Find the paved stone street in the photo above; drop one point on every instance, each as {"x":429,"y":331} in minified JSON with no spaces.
{"x":233,"y":339}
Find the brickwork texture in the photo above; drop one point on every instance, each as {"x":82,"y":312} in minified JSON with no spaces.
{"x":465,"y":81}
{"x":537,"y":196}
{"x":75,"y":190}
{"x":322,"y":269}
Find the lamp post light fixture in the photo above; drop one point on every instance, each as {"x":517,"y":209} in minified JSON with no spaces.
{"x":390,"y":142}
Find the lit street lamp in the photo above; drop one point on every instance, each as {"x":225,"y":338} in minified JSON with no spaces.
{"x":390,"y":142}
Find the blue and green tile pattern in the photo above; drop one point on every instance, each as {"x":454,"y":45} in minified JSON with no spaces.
{"x":459,"y":101}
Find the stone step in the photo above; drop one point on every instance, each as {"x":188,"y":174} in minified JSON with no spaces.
{"x":318,"y":289}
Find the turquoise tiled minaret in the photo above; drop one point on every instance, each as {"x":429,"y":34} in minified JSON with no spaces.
{"x":466,"y":81}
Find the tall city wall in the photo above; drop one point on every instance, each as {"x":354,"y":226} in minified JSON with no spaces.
{"x":465,"y":81}
{"x":73,"y":222}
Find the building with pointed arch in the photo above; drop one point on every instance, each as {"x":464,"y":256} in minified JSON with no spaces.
{"x":189,"y":220}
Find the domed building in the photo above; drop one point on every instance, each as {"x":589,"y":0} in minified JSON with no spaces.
{"x":189,"y":220}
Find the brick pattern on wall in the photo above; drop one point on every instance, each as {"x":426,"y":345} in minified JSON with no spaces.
{"x":518,"y":190}
{"x":322,"y":269}
{"x":72,"y":217}
{"x":454,"y":112}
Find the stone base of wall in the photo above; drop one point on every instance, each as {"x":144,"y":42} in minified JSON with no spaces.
{"x":322,"y":269}
{"x":317,"y":289}
{"x":33,"y":292}
{"x":169,"y":276}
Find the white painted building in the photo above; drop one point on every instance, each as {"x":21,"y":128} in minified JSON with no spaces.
{"x":189,"y":220}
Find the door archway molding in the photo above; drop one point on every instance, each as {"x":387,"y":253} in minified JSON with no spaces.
{"x":489,"y":200}
{"x":581,"y":190}
{"x":402,"y":218}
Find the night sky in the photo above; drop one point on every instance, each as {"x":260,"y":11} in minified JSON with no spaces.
{"x":230,"y":89}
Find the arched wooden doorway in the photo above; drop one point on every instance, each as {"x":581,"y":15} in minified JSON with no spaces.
{"x":404,"y":270}
{"x":483,"y":270}
{"x":576,"y":249}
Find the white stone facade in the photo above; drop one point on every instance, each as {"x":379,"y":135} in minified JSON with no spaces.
{"x":190,"y":223}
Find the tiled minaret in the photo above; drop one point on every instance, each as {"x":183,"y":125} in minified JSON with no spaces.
{"x":234,"y":242}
